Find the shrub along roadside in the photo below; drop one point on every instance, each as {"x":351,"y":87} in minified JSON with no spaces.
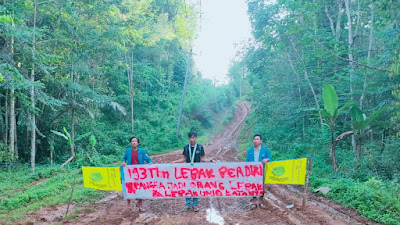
{"x":374,"y":196}
{"x":374,"y":199}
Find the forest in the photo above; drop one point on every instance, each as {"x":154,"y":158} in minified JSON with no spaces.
{"x":78,"y":78}
{"x":105,"y":70}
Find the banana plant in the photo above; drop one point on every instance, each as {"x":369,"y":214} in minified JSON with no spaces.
{"x":330,"y":113}
{"x":70,"y":142}
{"x":362,"y":124}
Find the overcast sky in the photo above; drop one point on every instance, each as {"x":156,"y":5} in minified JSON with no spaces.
{"x":223,"y":24}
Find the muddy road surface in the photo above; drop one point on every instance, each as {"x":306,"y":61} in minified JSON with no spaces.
{"x":283,"y":201}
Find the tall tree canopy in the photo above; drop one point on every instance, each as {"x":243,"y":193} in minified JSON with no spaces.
{"x":300,"y":46}
{"x":114,"y":68}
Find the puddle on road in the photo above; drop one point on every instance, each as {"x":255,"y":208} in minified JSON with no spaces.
{"x":214,"y":217}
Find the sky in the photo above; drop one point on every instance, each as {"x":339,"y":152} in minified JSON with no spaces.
{"x":223,"y":24}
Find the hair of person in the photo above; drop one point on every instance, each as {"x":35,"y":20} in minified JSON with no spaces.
{"x":138,"y":140}
{"x":192,"y":134}
{"x":257,"y":135}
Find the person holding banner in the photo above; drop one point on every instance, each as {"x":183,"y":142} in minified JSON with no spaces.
{"x":133,"y":156}
{"x":192,"y":153}
{"x":258,"y":153}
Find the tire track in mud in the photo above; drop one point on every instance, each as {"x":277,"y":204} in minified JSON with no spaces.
{"x":223,"y":146}
{"x":226,"y":140}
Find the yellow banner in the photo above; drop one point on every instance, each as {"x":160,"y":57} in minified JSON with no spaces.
{"x":102,"y":178}
{"x":286,"y":172}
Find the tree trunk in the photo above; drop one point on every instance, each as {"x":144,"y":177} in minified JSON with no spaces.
{"x":299,"y":90}
{"x":359,"y":145}
{"x":314,"y":94}
{"x":371,"y":32}
{"x":189,"y":54}
{"x":351,"y":61}
{"x":16,"y":153}
{"x":12,"y":122}
{"x":6,"y":118}
{"x":330,"y":21}
{"x":131,"y":91}
{"x":52,"y":147}
{"x":27,"y":137}
{"x":333,"y":150}
{"x":129,"y":72}
{"x":350,"y":45}
{"x":339,"y":18}
{"x":306,"y":78}
{"x":12,"y":96}
{"x":358,"y":19}
{"x":33,"y":117}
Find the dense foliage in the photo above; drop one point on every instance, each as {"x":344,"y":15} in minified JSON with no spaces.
{"x":324,"y":75}
{"x":113,"y":68}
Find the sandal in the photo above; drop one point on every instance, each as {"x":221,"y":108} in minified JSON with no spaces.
{"x":195,"y":208}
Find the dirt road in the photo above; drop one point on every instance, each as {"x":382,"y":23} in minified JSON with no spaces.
{"x":284,"y":201}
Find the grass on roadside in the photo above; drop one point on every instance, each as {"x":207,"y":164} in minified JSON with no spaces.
{"x":53,"y":191}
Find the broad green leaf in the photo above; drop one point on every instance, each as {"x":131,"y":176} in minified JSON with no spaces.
{"x":82,"y":136}
{"x":359,"y":125}
{"x":357,"y":114}
{"x":330,"y":99}
{"x":323,"y":113}
{"x":69,"y":136}
{"x":375,"y":115}
{"x":345,"y":106}
{"x":59,"y":134}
